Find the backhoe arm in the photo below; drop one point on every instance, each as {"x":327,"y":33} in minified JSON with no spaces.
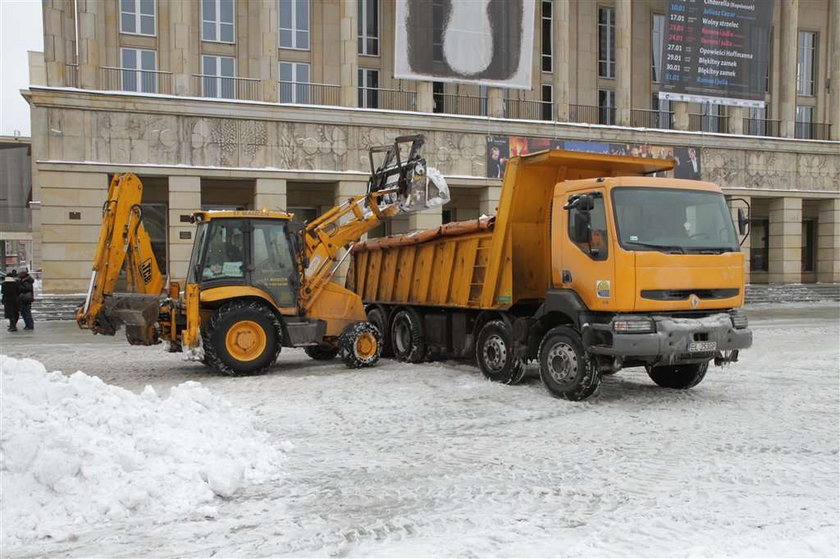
{"x":123,"y":242}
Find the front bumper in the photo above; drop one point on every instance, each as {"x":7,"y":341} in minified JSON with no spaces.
{"x":671,"y":340}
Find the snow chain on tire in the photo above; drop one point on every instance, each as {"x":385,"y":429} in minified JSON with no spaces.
{"x":360,"y":345}
{"x":566,"y":369}
{"x":494,"y":353}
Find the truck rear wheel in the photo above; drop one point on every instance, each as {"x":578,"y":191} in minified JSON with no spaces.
{"x":407,"y":338}
{"x":378,"y":318}
{"x":321,"y":352}
{"x":681,"y":377}
{"x":360,"y":345}
{"x":494,"y":353}
{"x":241,"y":339}
{"x":565,"y":368}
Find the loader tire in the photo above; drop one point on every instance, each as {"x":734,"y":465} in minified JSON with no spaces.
{"x":241,"y":339}
{"x":360,"y":345}
{"x":379,"y":318}
{"x":681,"y":377}
{"x":566,"y":369}
{"x":321,"y":352}
{"x":494,"y":353}
{"x":407,"y":337}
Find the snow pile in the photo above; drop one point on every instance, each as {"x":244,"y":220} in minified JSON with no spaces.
{"x":76,"y":452}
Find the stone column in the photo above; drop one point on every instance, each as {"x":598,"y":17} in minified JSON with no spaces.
{"x":489,"y":200}
{"x":736,"y":119}
{"x":270,"y":194}
{"x":349,"y":53}
{"x":425,"y":97}
{"x":263,"y":29}
{"x":834,"y":63}
{"x":562,"y":77}
{"x":91,"y":42}
{"x":681,"y":120}
{"x":184,"y":198}
{"x":495,"y":102}
{"x":623,"y":61}
{"x":789,"y":38}
{"x":55,"y":40}
{"x":828,"y":241}
{"x":785,"y":238}
{"x":181,"y":51}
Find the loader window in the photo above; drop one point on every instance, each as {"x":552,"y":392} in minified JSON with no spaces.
{"x":225,"y":256}
{"x":275,"y":270}
{"x":596,"y":245}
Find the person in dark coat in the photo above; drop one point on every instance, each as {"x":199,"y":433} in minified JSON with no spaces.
{"x":26,"y":297}
{"x":11,"y":308}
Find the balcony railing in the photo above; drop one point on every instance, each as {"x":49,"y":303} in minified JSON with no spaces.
{"x":529,"y":110}
{"x":71,"y":75}
{"x":460,"y":104}
{"x":812,"y":130}
{"x":708,"y":123}
{"x":591,"y":114}
{"x":309,"y":93}
{"x":223,"y":87}
{"x":762,"y":127}
{"x":131,"y":79}
{"x":393,"y":99}
{"x":643,"y":118}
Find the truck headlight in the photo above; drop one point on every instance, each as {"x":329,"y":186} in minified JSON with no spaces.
{"x":633,"y":325}
{"x":739,"y":321}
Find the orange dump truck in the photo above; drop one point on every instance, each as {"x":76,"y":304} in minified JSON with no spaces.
{"x":588,"y":267}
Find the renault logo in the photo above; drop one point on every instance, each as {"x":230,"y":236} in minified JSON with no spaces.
{"x":694,"y":300}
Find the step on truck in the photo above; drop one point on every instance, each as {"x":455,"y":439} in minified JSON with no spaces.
{"x":589,"y":266}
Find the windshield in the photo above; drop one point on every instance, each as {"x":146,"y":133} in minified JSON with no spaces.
{"x":673,"y":220}
{"x":200,"y":234}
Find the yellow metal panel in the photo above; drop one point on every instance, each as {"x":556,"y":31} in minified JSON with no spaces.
{"x":360,"y":272}
{"x":462,"y":273}
{"x":389,"y":272}
{"x":372,"y":288}
{"x":338,"y":307}
{"x":423,"y":273}
{"x":442,"y":272}
{"x":216,"y":294}
{"x":405,"y":269}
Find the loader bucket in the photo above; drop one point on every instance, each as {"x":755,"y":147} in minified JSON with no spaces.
{"x":138,"y":312}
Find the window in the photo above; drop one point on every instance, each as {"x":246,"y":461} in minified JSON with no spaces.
{"x":217,"y":20}
{"x":712,"y":118}
{"x":438,"y":24}
{"x":547,"y":105}
{"x":294,"y":24}
{"x":369,"y":27}
{"x":217,"y":80}
{"x":769,"y":64}
{"x":809,"y":245}
{"x":806,"y":64}
{"x":368,"y":88}
{"x":138,"y":72}
{"x":804,"y":122}
{"x":657,"y":47}
{"x":294,"y":82}
{"x":438,"y":98}
{"x":662,"y":109}
{"x":274,"y":269}
{"x":137,"y":17}
{"x":546,"y":36}
{"x":225,"y":256}
{"x":606,"y":106}
{"x":597,"y":243}
{"x":758,"y":121}
{"x":759,"y":245}
{"x":606,"y":42}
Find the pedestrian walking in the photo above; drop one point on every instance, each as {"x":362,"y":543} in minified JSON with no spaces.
{"x":26,"y":297}
{"x":11,"y":307}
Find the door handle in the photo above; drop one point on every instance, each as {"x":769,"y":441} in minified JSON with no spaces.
{"x":567,"y":276}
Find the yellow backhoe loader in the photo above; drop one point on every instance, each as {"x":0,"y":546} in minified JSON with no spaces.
{"x":256,"y":280}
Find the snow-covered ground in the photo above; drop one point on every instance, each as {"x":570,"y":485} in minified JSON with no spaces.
{"x":432,"y":460}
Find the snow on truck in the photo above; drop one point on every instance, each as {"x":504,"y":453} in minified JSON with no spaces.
{"x":589,"y":266}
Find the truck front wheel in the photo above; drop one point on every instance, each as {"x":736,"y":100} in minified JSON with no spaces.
{"x":241,"y":339}
{"x":565,"y":369}
{"x":494,"y":353}
{"x":681,"y":377}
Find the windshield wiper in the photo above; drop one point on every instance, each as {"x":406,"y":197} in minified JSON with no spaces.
{"x":673,"y":249}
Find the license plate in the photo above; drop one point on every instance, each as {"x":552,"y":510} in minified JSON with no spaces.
{"x":701,"y":346}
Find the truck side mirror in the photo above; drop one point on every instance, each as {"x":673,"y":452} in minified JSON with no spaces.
{"x":580,"y":227}
{"x":585,"y":203}
{"x":742,"y":221}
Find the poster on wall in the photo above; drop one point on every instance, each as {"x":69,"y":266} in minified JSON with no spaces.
{"x":717,"y":51}
{"x":501,"y":148}
{"x":487,"y":42}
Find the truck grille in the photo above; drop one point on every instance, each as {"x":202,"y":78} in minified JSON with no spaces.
{"x":681,"y":294}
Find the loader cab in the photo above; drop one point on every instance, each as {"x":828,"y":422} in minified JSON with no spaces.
{"x":246,"y":249}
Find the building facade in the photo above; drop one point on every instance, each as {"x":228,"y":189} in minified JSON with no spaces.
{"x":273,"y":103}
{"x":15,"y":196}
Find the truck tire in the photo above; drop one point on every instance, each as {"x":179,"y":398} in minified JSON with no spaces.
{"x":360,"y":345}
{"x":378,"y":318}
{"x":241,"y":339}
{"x":321,"y":352}
{"x":407,"y":338}
{"x":494,"y":353}
{"x":681,"y":377}
{"x":565,"y":368}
